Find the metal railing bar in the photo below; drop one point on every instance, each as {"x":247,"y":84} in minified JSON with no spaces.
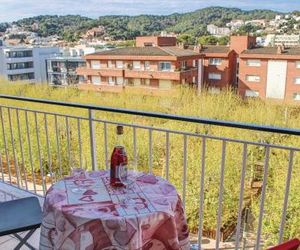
{"x":262,"y":200}
{"x":105,"y":145}
{"x":1,"y":166}
{"x":16,"y":165}
{"x":167,"y":155}
{"x":202,"y":187}
{"x":286,"y":196}
{"x":150,"y":151}
{"x":5,"y":145}
{"x":184,"y":177}
{"x":135,"y":147}
{"x":239,"y":125}
{"x":242,"y":186}
{"x":199,"y":135}
{"x":58,"y":145}
{"x":221,"y":189}
{"x":21,"y":148}
{"x":30,"y":151}
{"x":92,"y":139}
{"x":48,"y":147}
{"x":39,"y":153}
{"x":79,"y":143}
{"x":68,"y":143}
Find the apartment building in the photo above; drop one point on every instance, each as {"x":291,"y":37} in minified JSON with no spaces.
{"x":25,"y":63}
{"x":219,"y":67}
{"x":217,"y":31}
{"x":61,"y":69}
{"x":286,"y":40}
{"x":270,"y":72}
{"x":154,"y":62}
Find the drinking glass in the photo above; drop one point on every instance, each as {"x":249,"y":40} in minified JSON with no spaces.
{"x":129,"y":182}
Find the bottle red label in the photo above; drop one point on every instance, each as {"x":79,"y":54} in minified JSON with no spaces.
{"x":118,"y":166}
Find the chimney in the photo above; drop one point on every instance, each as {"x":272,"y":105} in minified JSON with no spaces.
{"x":181,"y":45}
{"x":198,"y":48}
{"x":280,"y":49}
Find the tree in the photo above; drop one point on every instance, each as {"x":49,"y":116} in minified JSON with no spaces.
{"x":208,"y":40}
{"x":224,"y":40}
{"x":247,"y":29}
{"x":186,"y":39}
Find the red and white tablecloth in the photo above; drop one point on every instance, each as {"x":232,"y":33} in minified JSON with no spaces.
{"x":84,"y":212}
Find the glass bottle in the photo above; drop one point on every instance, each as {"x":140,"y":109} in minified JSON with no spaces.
{"x":119,"y":161}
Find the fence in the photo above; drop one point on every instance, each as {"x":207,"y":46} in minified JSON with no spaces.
{"x":220,"y":168}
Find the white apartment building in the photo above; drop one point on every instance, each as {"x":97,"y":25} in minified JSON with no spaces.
{"x":218,"y":31}
{"x":286,"y":40}
{"x":61,"y":69}
{"x":25,"y":63}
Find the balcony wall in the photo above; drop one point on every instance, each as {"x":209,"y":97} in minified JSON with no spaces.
{"x":99,"y":72}
{"x":152,"y":74}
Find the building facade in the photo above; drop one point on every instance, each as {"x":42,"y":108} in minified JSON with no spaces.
{"x":25,"y":63}
{"x":270,"y":73}
{"x":61,"y":69}
{"x":219,"y":67}
{"x":149,"y":64}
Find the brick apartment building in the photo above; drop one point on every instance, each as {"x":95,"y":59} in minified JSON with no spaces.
{"x":268,"y":72}
{"x":219,"y":67}
{"x":154,"y":62}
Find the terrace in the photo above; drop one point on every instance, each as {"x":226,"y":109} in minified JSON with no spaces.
{"x":228,"y":184}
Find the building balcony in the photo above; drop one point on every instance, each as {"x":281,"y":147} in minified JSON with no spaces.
{"x":166,"y":75}
{"x":106,"y":72}
{"x":226,"y":180}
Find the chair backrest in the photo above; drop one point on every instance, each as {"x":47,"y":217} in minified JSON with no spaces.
{"x":289,"y":245}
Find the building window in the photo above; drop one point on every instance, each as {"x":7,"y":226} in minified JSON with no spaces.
{"x":297,"y":96}
{"x":194,"y":79}
{"x":120,"y":80}
{"x":214,"y":61}
{"x":297,"y":80}
{"x":111,"y":80}
{"x":251,"y":93}
{"x":145,"y":82}
{"x":110,"y":64}
{"x":184,"y":65}
{"x":21,"y":65}
{"x":298,"y":64}
{"x":195,"y":63}
{"x":165,"y":66}
{"x":119,"y":64}
{"x":254,"y":63}
{"x":96,"y":80}
{"x":214,"y":90}
{"x":136,"y":64}
{"x":147,"y":65}
{"x":95,"y":64}
{"x":17,"y":77}
{"x":214,"y":76}
{"x":18,"y":54}
{"x":252,"y":78}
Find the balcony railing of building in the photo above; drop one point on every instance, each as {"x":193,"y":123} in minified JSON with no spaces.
{"x":219,"y":171}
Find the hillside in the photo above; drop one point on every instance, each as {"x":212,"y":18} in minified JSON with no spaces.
{"x":127,"y":27}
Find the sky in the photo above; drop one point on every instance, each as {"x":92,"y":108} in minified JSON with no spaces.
{"x":11,"y":10}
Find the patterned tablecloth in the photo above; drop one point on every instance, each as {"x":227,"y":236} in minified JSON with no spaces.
{"x":84,"y":212}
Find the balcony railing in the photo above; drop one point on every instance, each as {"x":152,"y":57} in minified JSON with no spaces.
{"x":219,"y":177}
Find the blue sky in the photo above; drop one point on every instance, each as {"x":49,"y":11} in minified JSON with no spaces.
{"x":15,"y":9}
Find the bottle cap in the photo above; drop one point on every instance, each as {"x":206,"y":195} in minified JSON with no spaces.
{"x":120,"y":130}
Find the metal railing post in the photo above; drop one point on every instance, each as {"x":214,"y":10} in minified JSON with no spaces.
{"x":93,"y":139}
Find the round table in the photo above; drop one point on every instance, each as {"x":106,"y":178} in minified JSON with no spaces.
{"x":84,"y":212}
